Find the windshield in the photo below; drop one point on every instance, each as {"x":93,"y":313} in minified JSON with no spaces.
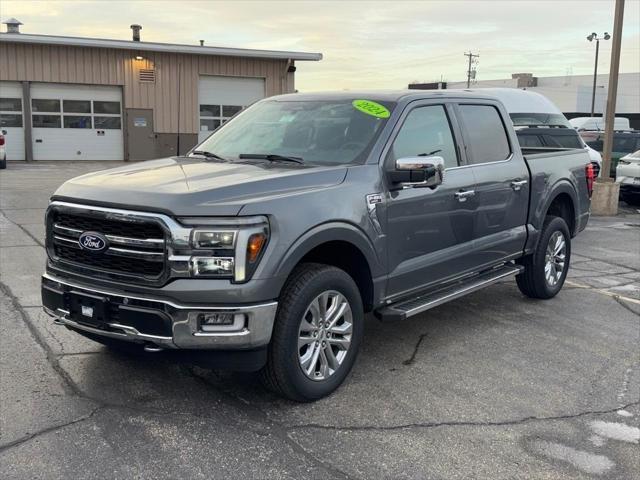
{"x":531,"y":119}
{"x":318,"y":132}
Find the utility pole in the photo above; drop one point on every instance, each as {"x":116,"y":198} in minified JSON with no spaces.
{"x":606,"y":191}
{"x":612,"y":94}
{"x":471,"y":57}
{"x":591,"y":38}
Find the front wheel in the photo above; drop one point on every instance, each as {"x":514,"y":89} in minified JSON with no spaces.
{"x":546,"y":269}
{"x":317,"y":333}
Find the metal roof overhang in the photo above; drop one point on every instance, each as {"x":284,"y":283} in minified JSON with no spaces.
{"x":157,"y":47}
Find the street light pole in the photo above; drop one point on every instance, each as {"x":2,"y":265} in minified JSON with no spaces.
{"x":591,"y":38}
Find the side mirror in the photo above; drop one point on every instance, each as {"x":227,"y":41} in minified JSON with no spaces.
{"x":418,"y":171}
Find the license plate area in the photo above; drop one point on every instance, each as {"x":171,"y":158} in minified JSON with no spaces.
{"x":88,"y":309}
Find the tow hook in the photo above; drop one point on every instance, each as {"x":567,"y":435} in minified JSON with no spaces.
{"x":152,"y":348}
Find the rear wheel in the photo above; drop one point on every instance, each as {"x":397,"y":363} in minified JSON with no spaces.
{"x":631,"y":198}
{"x":546,"y":269}
{"x":317,"y":333}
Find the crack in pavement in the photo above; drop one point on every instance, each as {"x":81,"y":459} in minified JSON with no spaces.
{"x":412,"y":358}
{"x":53,"y":428}
{"x":279,"y":430}
{"x":27,"y":232}
{"x":407,"y":426}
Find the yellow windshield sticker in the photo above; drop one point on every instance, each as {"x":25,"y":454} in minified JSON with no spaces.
{"x":371,"y":108}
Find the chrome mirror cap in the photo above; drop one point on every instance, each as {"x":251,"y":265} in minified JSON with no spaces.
{"x":433,"y":167}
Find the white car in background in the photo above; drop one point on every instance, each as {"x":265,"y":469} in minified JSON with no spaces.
{"x":628,"y":176}
{"x":3,"y":151}
{"x":597,"y":123}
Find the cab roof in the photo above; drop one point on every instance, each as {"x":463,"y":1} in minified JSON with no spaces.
{"x":385,"y":95}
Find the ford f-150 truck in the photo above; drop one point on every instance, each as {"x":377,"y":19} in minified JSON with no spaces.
{"x":265,"y":246}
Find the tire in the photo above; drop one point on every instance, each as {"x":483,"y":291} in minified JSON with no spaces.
{"x":297,"y":319}
{"x":632,"y":199}
{"x":542,"y":277}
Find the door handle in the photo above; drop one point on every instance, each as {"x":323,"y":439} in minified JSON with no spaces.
{"x":464,"y":194}
{"x":518,"y":184}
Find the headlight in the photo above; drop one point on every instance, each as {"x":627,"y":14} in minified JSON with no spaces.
{"x":225,"y":247}
{"x":212,"y":266}
{"x":213,"y":239}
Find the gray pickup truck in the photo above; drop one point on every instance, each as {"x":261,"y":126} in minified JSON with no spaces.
{"x":266,"y":245}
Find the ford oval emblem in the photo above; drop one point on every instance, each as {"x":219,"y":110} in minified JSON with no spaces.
{"x":93,"y":241}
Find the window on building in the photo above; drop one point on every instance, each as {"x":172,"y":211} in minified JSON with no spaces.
{"x":45,"y":105}
{"x":10,"y":104}
{"x":76,"y":106}
{"x":106,"y":123}
{"x":486,"y":134}
{"x":103,"y":107}
{"x":212,"y":116}
{"x":77,"y":121}
{"x":10,"y":120}
{"x":46,"y":121}
{"x":425,"y":132}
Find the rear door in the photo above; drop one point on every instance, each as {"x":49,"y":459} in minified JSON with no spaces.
{"x":502,"y":183}
{"x":429,"y":230}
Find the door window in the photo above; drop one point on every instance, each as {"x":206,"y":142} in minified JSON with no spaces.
{"x":486,"y":135}
{"x":212,"y":116}
{"x":10,"y":112}
{"x":46,"y":121}
{"x":44,"y":105}
{"x":426,"y":132}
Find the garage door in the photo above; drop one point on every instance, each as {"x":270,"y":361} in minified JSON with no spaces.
{"x":222,"y":97}
{"x":76,"y":122}
{"x":11,"y":119}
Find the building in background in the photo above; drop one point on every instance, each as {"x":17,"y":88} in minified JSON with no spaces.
{"x":67,"y":98}
{"x":571,"y":93}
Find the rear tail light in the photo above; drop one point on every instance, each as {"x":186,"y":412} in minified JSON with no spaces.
{"x":590,"y":174}
{"x":1,"y":140}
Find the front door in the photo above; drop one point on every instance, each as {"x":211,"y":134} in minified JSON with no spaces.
{"x":141,"y":139}
{"x":429,"y":230}
{"x":502,"y":185}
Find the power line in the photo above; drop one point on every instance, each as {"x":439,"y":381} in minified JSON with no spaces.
{"x":471,"y":57}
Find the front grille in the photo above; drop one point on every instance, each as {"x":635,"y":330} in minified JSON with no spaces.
{"x":108,"y":262}
{"x":109,"y":227}
{"x":136,"y":246}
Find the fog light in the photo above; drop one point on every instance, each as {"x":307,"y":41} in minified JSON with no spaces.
{"x":215,"y":319}
{"x":212,"y":322}
{"x":212,"y":266}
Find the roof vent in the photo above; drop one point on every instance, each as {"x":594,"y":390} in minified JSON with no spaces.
{"x":136,"y":32}
{"x":13,"y":25}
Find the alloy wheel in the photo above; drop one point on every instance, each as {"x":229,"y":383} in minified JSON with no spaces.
{"x":324,"y":336}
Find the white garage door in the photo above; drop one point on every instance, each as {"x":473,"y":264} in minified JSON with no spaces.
{"x":76,"y":122}
{"x":11,"y":119}
{"x":221,"y":98}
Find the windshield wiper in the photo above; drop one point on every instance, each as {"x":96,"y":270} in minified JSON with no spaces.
{"x":272,"y":157}
{"x":206,"y":154}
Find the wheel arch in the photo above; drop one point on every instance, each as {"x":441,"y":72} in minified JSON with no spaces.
{"x":341,"y":245}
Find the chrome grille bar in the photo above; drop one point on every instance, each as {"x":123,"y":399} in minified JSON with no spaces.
{"x":120,"y":252}
{"x":139,"y":242}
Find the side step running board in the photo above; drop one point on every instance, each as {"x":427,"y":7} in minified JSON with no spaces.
{"x":421,"y":303}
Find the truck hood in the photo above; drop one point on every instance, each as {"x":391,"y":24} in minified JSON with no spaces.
{"x":192,"y":186}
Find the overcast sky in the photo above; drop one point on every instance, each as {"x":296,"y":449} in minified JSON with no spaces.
{"x":372,"y":44}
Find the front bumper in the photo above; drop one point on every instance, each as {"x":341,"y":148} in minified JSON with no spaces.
{"x":154,"y":322}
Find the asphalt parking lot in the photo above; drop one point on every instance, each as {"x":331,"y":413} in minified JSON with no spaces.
{"x":493,"y":386}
